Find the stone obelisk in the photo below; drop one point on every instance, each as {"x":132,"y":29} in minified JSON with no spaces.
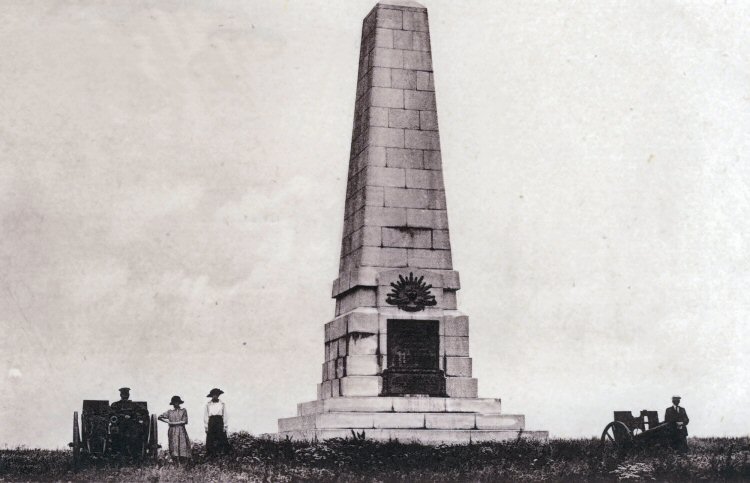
{"x":397,"y":362}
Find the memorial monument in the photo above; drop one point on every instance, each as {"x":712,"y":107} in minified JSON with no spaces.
{"x":397,"y":362}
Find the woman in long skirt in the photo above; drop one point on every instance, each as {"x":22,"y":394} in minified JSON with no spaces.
{"x":215,"y":421}
{"x":177,"y":418}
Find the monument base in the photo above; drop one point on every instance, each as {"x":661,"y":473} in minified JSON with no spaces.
{"x":427,"y":420}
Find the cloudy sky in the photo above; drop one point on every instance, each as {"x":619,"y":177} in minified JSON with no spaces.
{"x":172,"y":177}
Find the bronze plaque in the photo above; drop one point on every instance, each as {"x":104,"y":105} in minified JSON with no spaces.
{"x":413,"y":359}
{"x":413,"y":344}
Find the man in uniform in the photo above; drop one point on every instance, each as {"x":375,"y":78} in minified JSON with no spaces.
{"x":679,"y":418}
{"x":127,"y":433}
{"x":124,"y":403}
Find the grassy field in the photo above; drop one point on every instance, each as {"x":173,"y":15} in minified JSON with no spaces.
{"x":254,"y":459}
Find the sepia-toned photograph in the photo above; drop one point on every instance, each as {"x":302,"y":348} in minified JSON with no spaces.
{"x":374,"y":241}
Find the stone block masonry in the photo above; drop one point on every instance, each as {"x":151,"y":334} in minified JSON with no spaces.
{"x":396,"y":360}
{"x":395,"y":146}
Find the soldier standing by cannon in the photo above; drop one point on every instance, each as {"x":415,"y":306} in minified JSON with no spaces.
{"x":128,"y":425}
{"x":677,"y":416}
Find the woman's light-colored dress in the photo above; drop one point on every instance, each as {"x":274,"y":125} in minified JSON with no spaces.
{"x":179,"y":444}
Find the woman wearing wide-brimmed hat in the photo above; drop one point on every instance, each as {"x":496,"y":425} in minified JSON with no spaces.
{"x":177,"y":418}
{"x":215,"y":422}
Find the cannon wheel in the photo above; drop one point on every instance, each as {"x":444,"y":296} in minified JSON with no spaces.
{"x":616,"y":434}
{"x":153,"y":437}
{"x":76,"y":444}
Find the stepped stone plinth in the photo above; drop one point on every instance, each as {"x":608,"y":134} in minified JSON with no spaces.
{"x":397,"y":362}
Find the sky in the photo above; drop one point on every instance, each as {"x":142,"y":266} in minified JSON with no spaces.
{"x":172,"y":180}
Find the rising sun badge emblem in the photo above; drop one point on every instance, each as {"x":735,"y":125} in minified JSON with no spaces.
{"x":411,"y":294}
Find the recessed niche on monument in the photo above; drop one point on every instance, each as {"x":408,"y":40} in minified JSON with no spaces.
{"x":396,"y":359}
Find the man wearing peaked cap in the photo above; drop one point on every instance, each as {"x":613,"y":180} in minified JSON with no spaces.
{"x":124,"y":403}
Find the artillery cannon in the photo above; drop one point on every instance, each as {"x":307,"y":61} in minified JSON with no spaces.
{"x":627,"y":431}
{"x":127,"y":430}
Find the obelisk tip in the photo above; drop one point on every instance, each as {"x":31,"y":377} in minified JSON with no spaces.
{"x":401,"y":3}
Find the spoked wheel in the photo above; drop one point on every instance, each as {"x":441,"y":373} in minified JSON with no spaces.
{"x":153,"y":438}
{"x":616,"y":435}
{"x":76,"y":444}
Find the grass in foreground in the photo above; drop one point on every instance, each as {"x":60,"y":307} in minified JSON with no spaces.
{"x":255,"y":459}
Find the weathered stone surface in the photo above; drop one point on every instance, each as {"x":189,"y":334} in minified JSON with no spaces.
{"x":387,"y":97}
{"x":410,"y":5}
{"x":430,"y":277}
{"x":417,"y":60}
{"x":425,"y":81}
{"x":346,"y":404}
{"x":384,"y":257}
{"x":375,"y":156}
{"x":403,"y":79}
{"x":324,"y":390}
{"x":385,"y":216}
{"x":391,"y":19}
{"x":426,"y":218}
{"x":419,"y":100}
{"x":404,"y":118}
{"x":420,"y":139}
{"x":456,"y":325}
{"x":384,"y":38}
{"x":361,"y":345}
{"x":357,"y":298}
{"x":498,"y":421}
{"x":362,"y":366}
{"x":297,"y":423}
{"x":360,"y":386}
{"x":427,"y":121}
{"x":336,"y":328}
{"x":390,"y":138}
{"x":408,"y":198}
{"x":433,"y":160}
{"x":404,"y":158}
{"x":380,"y":176}
{"x":423,"y":178}
{"x":381,"y":77}
{"x":438,"y":202}
{"x":421,"y":41}
{"x":456,"y":346}
{"x":343,"y":346}
{"x":366,"y":236}
{"x":427,"y":258}
{"x":450,"y":421}
{"x":378,"y":116}
{"x":418,"y":404}
{"x":461,"y":387}
{"x":338,"y":420}
{"x":423,"y":404}
{"x":415,"y":21}
{"x":393,"y":58}
{"x":458,"y":366}
{"x":403,"y":39}
{"x":406,"y":237}
{"x":441,"y":240}
{"x":449,"y":299}
{"x":398,"y":420}
{"x":362,"y":320}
